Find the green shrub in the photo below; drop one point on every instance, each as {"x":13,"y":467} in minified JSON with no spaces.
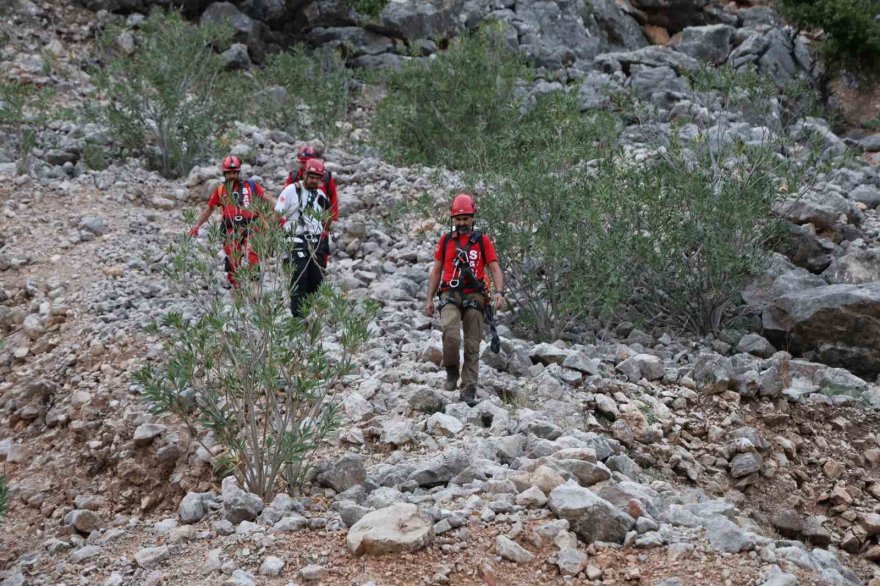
{"x":246,"y":371}
{"x":852,"y":31}
{"x":451,"y":110}
{"x":694,"y":230}
{"x":755,"y":95}
{"x":367,"y":7}
{"x":544,"y":212}
{"x":582,"y":228}
{"x":22,"y":112}
{"x":94,"y":157}
{"x":317,"y":86}
{"x":4,"y":497}
{"x":170,"y":98}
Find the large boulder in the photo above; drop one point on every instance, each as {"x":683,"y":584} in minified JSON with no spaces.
{"x":779,"y":52}
{"x":354,"y":40}
{"x":807,"y":249}
{"x":590,"y":516}
{"x":676,"y":15}
{"x":652,"y":56}
{"x":246,"y":30}
{"x":823,"y":210}
{"x":656,"y":83}
{"x":417,"y":19}
{"x":239,"y":505}
{"x":614,"y":22}
{"x":390,"y":530}
{"x":556,"y":36}
{"x":866,"y":194}
{"x":861,"y":266}
{"x":836,"y":324}
{"x":343,"y":474}
{"x":780,"y":278}
{"x":440,"y":469}
{"x":707,"y":43}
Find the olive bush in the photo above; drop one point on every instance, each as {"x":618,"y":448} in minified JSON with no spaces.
{"x":315,"y":92}
{"x":170,"y":99}
{"x":851,"y":27}
{"x":245,"y":377}
{"x":22,"y":113}
{"x":451,"y":110}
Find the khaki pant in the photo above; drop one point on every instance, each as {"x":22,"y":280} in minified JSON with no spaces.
{"x":452,"y":319}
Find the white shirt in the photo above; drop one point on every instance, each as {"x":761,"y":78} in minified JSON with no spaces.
{"x":292,"y":204}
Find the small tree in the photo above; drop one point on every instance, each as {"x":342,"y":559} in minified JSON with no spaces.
{"x":452,"y":109}
{"x":852,"y":31}
{"x":544,"y":211}
{"x":317,"y":92}
{"x":695,"y":220}
{"x":22,"y":112}
{"x":170,"y":98}
{"x":244,"y":370}
{"x":693,"y":233}
{"x":4,"y":497}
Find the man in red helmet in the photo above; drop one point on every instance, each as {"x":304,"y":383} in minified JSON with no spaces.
{"x":327,"y":182}
{"x":305,"y":208}
{"x":235,"y":198}
{"x":459,"y":274}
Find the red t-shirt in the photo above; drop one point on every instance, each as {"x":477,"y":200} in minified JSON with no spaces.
{"x":478,"y":264}
{"x":229,"y":207}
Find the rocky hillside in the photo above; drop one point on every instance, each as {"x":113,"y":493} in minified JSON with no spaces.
{"x":643,"y":457}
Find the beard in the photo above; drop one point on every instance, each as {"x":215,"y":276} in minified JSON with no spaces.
{"x":463,"y":229}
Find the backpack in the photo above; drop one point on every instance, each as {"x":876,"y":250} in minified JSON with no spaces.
{"x":239,"y":222}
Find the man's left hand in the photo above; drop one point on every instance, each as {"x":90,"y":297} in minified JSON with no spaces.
{"x":499,"y":300}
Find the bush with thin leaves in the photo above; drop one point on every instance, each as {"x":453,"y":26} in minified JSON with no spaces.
{"x":545,"y":214}
{"x":695,"y":220}
{"x":316,"y":92}
{"x":851,"y":27}
{"x":170,"y":99}
{"x":367,"y":7}
{"x":245,"y":376}
{"x":4,"y":497}
{"x":583,"y":228}
{"x":22,"y":112}
{"x":451,"y":110}
{"x":695,"y":228}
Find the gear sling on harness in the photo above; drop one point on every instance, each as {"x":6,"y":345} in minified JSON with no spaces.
{"x":238,"y":230}
{"x":463,"y":277}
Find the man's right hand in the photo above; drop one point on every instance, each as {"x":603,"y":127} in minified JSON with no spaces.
{"x":194,"y":233}
{"x":429,"y":307}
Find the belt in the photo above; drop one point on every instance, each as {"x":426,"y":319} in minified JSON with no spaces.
{"x":300,"y":238}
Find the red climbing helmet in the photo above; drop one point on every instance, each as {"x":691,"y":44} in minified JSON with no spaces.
{"x":463,"y":205}
{"x":306,"y":153}
{"x":231,"y":163}
{"x":315,"y":166}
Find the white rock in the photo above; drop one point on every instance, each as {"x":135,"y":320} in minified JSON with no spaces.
{"x":442,"y":424}
{"x":271,"y":566}
{"x":150,"y":557}
{"x":392,"y":529}
{"x":510,"y":550}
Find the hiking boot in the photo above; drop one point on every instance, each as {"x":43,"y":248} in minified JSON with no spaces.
{"x":451,"y":378}
{"x":468,"y":395}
